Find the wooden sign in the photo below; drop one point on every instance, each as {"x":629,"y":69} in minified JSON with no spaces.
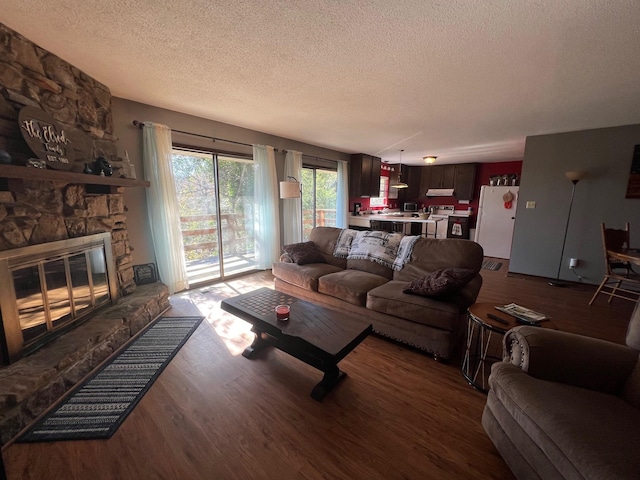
{"x":46,"y":138}
{"x":633,"y":187}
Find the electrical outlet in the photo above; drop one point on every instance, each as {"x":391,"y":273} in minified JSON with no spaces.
{"x":531,"y":204}
{"x":573,"y":263}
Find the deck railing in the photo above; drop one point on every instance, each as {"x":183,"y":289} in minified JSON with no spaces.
{"x":200,"y":232}
{"x":200,"y":235}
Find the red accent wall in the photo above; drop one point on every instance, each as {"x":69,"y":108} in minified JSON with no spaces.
{"x":483,"y":172}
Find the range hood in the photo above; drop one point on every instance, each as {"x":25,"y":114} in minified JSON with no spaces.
{"x":440,"y":192}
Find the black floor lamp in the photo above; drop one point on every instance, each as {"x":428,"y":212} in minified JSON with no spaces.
{"x":293,"y":189}
{"x":574,"y":176}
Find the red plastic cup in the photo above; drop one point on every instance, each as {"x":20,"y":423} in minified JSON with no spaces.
{"x":282,"y":312}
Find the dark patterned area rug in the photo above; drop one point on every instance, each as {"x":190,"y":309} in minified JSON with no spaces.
{"x":96,"y":409}
{"x":489,"y":265}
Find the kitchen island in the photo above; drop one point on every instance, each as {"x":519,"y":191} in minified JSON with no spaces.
{"x":364,"y":221}
{"x":434,"y":226}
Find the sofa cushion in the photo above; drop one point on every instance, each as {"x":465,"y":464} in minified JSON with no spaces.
{"x":390,"y":299}
{"x":350,"y":285}
{"x":370,"y":267}
{"x":431,"y":254}
{"x":440,"y":282}
{"x":304,"y":252}
{"x":305,"y":276}
{"x":583,"y":433}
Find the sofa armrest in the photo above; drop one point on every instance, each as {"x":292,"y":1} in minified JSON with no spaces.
{"x":570,"y":358}
{"x":467,"y":295}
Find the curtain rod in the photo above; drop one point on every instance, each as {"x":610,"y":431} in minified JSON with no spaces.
{"x":317,"y":158}
{"x":140,"y":125}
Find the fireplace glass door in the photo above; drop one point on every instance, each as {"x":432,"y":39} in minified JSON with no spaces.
{"x":53,"y":293}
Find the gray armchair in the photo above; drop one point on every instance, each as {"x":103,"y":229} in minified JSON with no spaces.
{"x":565,"y":406}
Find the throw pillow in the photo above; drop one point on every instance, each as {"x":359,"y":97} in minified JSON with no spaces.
{"x":440,"y":282}
{"x":304,"y":252}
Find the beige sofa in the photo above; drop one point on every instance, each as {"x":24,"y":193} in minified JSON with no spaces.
{"x":565,"y":406}
{"x":374,"y":291}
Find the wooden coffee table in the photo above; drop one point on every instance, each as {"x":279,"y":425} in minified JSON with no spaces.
{"x":482,"y":348}
{"x":318,"y":336}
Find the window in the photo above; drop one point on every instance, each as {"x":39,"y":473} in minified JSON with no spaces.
{"x":319,"y":198}
{"x":381,"y":199}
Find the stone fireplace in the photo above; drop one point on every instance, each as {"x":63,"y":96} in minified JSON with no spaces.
{"x":41,"y":207}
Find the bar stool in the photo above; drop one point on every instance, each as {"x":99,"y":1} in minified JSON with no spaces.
{"x":376,"y":225}
{"x":397,"y":227}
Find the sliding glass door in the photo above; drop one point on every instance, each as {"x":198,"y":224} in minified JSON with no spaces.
{"x":215,"y":204}
{"x":319,"y":198}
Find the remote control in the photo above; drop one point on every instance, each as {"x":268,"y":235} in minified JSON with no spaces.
{"x":497,"y":319}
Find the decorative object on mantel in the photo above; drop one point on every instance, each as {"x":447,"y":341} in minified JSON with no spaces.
{"x":102,"y":167}
{"x":87,"y":169}
{"x":46,"y":138}
{"x":633,"y":187}
{"x":128,"y":169}
{"x":5,"y":158}
{"x":36,"y":163}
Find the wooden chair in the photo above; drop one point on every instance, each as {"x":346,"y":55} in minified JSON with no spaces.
{"x":625,"y":285}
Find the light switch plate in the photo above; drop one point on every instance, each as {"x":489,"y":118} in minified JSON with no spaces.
{"x":531,"y":204}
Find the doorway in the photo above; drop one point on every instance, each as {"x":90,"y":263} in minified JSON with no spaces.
{"x":216,"y":209}
{"x":319,"y":198}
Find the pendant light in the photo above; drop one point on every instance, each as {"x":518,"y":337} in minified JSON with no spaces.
{"x":400,"y":183}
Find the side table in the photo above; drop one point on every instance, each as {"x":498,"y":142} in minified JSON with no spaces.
{"x":483,"y":348}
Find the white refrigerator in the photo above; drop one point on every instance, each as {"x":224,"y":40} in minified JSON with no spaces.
{"x":496,"y":219}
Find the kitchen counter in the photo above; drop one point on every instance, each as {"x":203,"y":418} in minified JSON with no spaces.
{"x":364,"y":221}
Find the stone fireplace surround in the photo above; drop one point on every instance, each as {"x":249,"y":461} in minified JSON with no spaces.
{"x":38,"y":211}
{"x":39,"y":206}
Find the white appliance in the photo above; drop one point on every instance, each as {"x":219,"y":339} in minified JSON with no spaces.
{"x":494,"y":226}
{"x":440,"y":213}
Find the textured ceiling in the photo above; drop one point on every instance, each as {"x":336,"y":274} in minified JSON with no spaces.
{"x":463,"y":80}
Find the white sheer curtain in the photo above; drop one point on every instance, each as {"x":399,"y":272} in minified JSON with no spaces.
{"x":267,"y":228}
{"x":162,"y":206}
{"x":292,"y":207}
{"x":342,"y":203}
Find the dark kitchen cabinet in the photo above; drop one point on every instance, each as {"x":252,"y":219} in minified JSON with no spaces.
{"x":412,"y":176}
{"x":441,"y":176}
{"x":364,"y":175}
{"x":465,"y":178}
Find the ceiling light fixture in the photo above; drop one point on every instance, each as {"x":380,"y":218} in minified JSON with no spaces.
{"x":429,"y":159}
{"x":400,"y":183}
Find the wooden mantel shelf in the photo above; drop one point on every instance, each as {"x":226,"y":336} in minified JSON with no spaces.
{"x":30,"y":173}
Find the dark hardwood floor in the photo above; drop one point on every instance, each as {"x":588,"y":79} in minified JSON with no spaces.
{"x":213,"y":414}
